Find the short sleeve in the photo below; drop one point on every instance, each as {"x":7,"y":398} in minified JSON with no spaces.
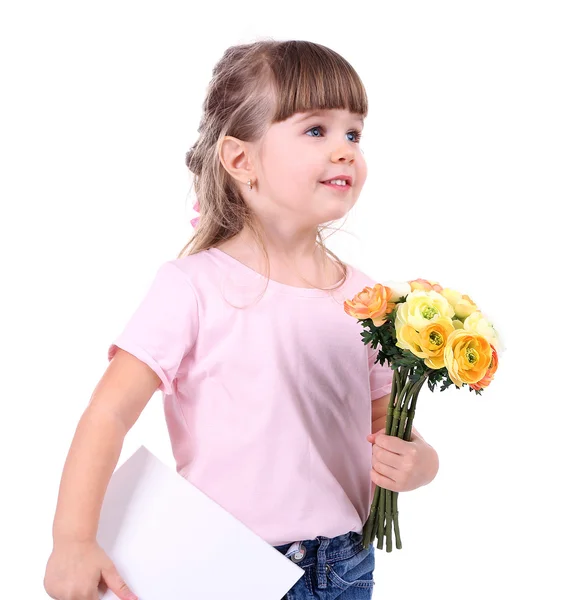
{"x":164,"y":327}
{"x":380,"y":375}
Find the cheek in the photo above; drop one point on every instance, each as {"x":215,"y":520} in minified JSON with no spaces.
{"x":303,"y":172}
{"x":290,"y":163}
{"x":361,"y":167}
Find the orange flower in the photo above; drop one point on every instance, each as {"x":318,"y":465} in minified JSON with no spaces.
{"x":371,"y":303}
{"x":488,"y":377}
{"x":425,"y":284}
{"x":467,"y":356}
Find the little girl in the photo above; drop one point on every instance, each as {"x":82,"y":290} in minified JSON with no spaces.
{"x":267,"y":385}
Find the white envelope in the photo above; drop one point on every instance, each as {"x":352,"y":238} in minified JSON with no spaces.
{"x":169,"y":540}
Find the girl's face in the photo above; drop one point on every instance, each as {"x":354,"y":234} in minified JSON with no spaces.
{"x":300,"y":153}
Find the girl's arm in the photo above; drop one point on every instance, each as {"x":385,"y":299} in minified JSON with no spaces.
{"x":116,"y":403}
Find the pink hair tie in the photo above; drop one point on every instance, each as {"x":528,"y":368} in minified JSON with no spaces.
{"x":195,"y":220}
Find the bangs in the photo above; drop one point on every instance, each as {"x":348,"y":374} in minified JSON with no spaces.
{"x":308,"y":76}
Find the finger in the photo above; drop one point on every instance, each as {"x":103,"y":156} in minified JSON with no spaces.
{"x":383,"y":481}
{"x":385,"y":469}
{"x":381,"y":456}
{"x":392,"y":443}
{"x":415,"y":434}
{"x":115,"y":582}
{"x":371,"y":437}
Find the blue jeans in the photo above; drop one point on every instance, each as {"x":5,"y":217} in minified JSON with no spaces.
{"x":336,"y":567}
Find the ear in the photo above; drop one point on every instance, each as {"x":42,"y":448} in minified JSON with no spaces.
{"x":235,"y":156}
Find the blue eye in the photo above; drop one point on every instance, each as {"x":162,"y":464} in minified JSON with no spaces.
{"x":354,"y":131}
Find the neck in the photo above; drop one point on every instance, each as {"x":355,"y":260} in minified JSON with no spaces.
{"x":283,"y":245}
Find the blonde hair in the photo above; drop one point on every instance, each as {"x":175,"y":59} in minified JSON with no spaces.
{"x":253,"y":86}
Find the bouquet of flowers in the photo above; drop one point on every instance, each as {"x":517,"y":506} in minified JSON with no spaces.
{"x":426,"y":333}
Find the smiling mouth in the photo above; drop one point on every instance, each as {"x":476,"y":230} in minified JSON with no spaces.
{"x":342,"y":188}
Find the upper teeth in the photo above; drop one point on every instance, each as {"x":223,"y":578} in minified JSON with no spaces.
{"x":337,"y":181}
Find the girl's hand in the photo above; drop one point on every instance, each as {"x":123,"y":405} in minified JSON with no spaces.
{"x":399,"y":465}
{"x":77,"y":570}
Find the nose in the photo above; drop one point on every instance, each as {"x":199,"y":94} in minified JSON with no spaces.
{"x":343,"y":152}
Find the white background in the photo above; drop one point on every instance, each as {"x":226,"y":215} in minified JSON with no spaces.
{"x":476,"y":147}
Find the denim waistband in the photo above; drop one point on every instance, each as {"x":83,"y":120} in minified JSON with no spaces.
{"x":321,"y":550}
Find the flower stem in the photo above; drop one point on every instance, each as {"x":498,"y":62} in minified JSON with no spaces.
{"x":389,"y":513}
{"x":405,"y":430}
{"x":399,"y":428}
{"x":380,"y":520}
{"x":369,"y":526}
{"x":412,"y":411}
{"x":400,"y":414}
{"x":390,"y":495}
{"x":397,"y":385}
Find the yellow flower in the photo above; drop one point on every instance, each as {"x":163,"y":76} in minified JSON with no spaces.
{"x":429,"y":342}
{"x":462,"y":304}
{"x":371,"y":303}
{"x":467,"y":356}
{"x":478,"y":323}
{"x":420,"y":308}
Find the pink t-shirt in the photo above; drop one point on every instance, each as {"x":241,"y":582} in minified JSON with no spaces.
{"x":268,"y":407}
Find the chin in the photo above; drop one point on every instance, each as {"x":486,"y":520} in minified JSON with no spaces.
{"x":334,"y":215}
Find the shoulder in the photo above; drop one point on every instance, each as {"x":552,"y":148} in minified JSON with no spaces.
{"x":178,"y":279}
{"x":189,"y":264}
{"x":193,"y":268}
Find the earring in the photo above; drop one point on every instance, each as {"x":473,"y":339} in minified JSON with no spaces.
{"x":250,"y":184}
